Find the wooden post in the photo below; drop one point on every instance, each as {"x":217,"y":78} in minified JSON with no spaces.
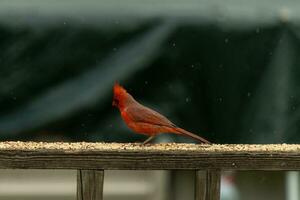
{"x":207,"y":185}
{"x":90,"y":184}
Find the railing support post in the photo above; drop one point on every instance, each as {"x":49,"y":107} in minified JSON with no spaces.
{"x":90,"y":184}
{"x":207,"y":185}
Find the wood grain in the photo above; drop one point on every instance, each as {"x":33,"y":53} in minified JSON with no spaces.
{"x":90,"y":184}
{"x":200,"y":185}
{"x":207,"y":185}
{"x":213,"y":184}
{"x":30,"y":155}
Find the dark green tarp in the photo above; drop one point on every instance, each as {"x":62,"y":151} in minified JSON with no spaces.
{"x":227,"y":70}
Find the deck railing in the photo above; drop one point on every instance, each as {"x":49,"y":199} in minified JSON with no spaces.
{"x":92,"y":159}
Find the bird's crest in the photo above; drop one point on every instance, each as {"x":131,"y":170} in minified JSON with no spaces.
{"x":118,"y":89}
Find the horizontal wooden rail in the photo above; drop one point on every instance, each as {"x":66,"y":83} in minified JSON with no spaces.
{"x":107,"y":156}
{"x":91,"y":159}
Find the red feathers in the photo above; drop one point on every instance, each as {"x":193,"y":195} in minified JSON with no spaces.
{"x":144,"y":120}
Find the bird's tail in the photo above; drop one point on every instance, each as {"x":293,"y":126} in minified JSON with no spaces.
{"x":192,"y":135}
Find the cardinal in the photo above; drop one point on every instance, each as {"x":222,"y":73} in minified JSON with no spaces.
{"x":144,"y":120}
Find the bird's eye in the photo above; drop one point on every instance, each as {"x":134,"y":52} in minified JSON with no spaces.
{"x":116,"y":102}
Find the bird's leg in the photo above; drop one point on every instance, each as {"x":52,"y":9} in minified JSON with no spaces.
{"x":148,"y":139}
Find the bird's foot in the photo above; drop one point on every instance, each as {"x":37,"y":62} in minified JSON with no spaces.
{"x":148,"y":140}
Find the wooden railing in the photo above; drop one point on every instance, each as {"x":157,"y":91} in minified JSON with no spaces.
{"x":91,"y":159}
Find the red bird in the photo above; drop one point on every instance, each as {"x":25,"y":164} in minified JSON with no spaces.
{"x":144,"y":120}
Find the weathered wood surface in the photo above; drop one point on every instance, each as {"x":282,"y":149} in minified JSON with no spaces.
{"x":213,"y":184}
{"x":90,"y":184}
{"x":200,"y":185}
{"x":153,"y":156}
{"x":207,"y":185}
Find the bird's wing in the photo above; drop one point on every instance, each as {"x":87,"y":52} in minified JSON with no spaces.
{"x":140,"y":113}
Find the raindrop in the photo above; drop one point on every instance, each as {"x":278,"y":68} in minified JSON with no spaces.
{"x":82,"y":125}
{"x":220,"y":99}
{"x":65,"y":23}
{"x":146,"y":82}
{"x":284,"y":14}
{"x":192,"y":66}
{"x":115,"y":49}
{"x":14,"y":98}
{"x":174,"y":44}
{"x":226,"y":40}
{"x":249,"y":94}
{"x":257,"y":30}
{"x":187,"y":99}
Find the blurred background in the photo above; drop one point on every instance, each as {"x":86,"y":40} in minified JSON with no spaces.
{"x":228,"y":70}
